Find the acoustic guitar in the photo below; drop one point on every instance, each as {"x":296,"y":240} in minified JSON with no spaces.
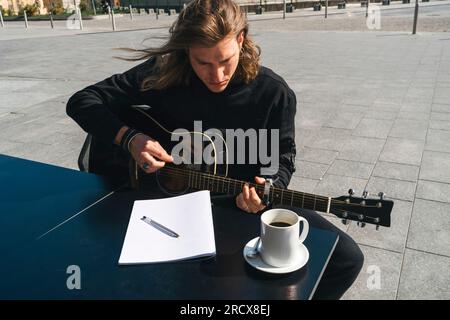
{"x":178,"y":179}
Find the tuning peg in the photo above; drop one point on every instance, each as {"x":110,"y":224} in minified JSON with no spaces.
{"x":381,"y":195}
{"x":365,"y":193}
{"x":361,"y":224}
{"x":377,"y":227}
{"x":351,"y":192}
{"x":345,"y":221}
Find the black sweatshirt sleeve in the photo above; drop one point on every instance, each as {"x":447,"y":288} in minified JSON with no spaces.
{"x":285,"y":121}
{"x":93,"y":108}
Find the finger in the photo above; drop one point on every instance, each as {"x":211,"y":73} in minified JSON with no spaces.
{"x":157,"y":151}
{"x":251,"y":207}
{"x":246,"y":193}
{"x":255,"y":202}
{"x":153,"y":164}
{"x":260,"y":180}
{"x":254,"y":198}
{"x":241,"y":203}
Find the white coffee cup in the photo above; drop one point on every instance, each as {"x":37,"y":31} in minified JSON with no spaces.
{"x":280,"y":245}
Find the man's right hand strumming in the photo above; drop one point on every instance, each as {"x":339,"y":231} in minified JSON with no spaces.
{"x":147,"y":152}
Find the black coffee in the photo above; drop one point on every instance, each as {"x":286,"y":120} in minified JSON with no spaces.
{"x":280,"y":224}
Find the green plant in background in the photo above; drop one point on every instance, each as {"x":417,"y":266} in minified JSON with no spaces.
{"x":31,"y":9}
{"x":57,"y":8}
{"x":83,"y":5}
{"x":7,"y":12}
{"x":10,"y":12}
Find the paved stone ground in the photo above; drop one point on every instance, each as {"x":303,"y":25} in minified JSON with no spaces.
{"x":373,"y":112}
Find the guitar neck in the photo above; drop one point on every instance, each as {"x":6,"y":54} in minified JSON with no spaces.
{"x":204,"y":181}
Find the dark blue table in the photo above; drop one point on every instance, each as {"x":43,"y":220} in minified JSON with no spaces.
{"x":36,"y":267}
{"x":35,"y":197}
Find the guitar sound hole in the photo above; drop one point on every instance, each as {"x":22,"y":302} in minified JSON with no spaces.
{"x":171,"y":184}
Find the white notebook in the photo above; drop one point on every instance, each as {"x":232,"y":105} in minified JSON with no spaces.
{"x":189,"y":216}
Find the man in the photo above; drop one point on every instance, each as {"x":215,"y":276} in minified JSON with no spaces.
{"x":208,"y":70}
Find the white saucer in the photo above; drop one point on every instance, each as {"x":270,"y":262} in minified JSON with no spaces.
{"x":259,"y":264}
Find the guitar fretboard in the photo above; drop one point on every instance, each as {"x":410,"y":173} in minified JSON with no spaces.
{"x":215,"y":183}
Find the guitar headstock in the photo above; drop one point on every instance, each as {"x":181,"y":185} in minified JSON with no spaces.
{"x":364,"y":210}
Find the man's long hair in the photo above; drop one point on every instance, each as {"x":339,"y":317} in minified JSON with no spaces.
{"x":202,"y":23}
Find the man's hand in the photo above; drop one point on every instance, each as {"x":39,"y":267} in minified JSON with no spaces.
{"x":148,"y":153}
{"x":248,"y":200}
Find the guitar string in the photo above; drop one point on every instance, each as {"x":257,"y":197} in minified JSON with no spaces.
{"x":185,"y":173}
{"x":336,"y":211}
{"x":259,"y":188}
{"x":304,"y":197}
{"x":304,"y":204}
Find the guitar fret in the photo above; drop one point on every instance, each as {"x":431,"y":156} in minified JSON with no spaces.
{"x":268,"y":196}
{"x":303,"y":200}
{"x":189,"y":179}
{"x":273,"y":191}
{"x":281,"y":200}
{"x":314,"y":208}
{"x":196,"y":182}
{"x":292,"y":197}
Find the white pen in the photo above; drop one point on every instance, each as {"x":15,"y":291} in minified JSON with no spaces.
{"x":160,"y":227}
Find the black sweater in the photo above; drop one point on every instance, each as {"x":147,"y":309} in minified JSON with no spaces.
{"x":265,"y":103}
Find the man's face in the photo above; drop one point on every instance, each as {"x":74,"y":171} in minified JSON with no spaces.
{"x":216,"y":65}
